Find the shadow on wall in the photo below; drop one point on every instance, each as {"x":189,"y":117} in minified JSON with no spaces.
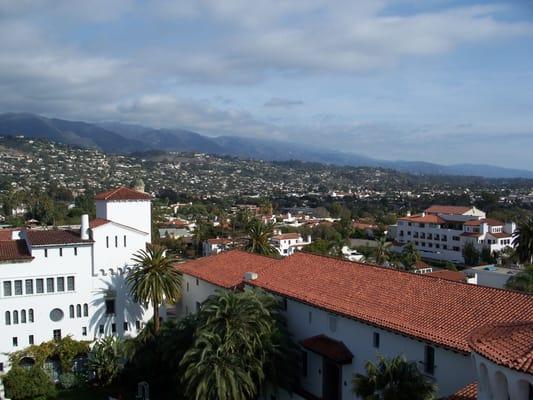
{"x":113,"y":307}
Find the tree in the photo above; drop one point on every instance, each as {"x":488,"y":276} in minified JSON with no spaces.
{"x":393,"y":379}
{"x":410,"y":256}
{"x":523,"y":241}
{"x":28,"y":383}
{"x":259,"y":238}
{"x":381,"y":253}
{"x":106,"y":359}
{"x":523,"y":281}
{"x":154,"y":279}
{"x":240,"y":343}
{"x":470,"y":254}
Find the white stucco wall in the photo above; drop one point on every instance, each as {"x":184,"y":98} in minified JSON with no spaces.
{"x":134,"y":213}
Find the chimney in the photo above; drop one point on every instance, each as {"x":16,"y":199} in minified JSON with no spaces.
{"x":308,"y":238}
{"x":250,"y":276}
{"x":84,"y":228}
{"x":408,"y":213}
{"x":423,"y":213}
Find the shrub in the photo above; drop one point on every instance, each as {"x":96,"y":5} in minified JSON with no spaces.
{"x":68,"y":380}
{"x":30,"y":383}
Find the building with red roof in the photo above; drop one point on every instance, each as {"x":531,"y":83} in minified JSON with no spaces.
{"x":335,"y":308}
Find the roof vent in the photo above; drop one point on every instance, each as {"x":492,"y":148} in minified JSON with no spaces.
{"x":84,"y":228}
{"x":250,"y":276}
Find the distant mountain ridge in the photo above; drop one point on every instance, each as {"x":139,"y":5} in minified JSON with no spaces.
{"x":125,"y":138}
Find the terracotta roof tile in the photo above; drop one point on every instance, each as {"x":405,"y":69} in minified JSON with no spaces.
{"x":95,"y":223}
{"x":449,"y":275}
{"x":286,"y":236}
{"x":226,"y":269}
{"x":122,"y":193}
{"x":507,"y":344}
{"x":489,"y":221}
{"x":5,"y":234}
{"x":54,"y":236}
{"x":332,"y":349}
{"x":440,"y":311}
{"x":439,"y":209}
{"x":427,"y":219}
{"x":14,"y":250}
{"x":467,"y":393}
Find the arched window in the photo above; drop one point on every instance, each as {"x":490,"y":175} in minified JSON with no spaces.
{"x":78,"y":311}
{"x":111,"y":272}
{"x":15,"y":317}
{"x":23,"y":317}
{"x":501,"y":387}
{"x":30,"y":315}
{"x":8,"y":318}
{"x":85,"y":310}
{"x":71,"y":311}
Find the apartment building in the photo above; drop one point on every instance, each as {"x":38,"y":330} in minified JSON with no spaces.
{"x":55,"y":283}
{"x":288,"y":243}
{"x":441,"y":232}
{"x":343,"y":314}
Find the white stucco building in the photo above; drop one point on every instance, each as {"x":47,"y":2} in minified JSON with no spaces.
{"x":55,"y":283}
{"x":287,"y":243}
{"x":441,"y":232}
{"x":343,"y":314}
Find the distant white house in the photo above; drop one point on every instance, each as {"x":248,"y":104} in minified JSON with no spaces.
{"x":215,"y":246}
{"x":288,"y":243}
{"x":352,"y":255}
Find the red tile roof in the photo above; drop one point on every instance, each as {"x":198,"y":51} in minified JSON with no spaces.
{"x":95,"y":223}
{"x":14,"y":250}
{"x":457,"y":210}
{"x":501,"y":235}
{"x":5,"y":234}
{"x":54,"y":236}
{"x":427,"y":219}
{"x":467,"y":393}
{"x":507,"y":344}
{"x":439,"y":311}
{"x":489,"y":221}
{"x":122,"y":193}
{"x":449,"y":275}
{"x":219,"y":241}
{"x":226,"y":269}
{"x":287,"y":236}
{"x":332,"y":349}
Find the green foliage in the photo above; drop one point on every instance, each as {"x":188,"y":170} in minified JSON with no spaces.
{"x":523,"y":241}
{"x":240,"y":342}
{"x":393,"y":379}
{"x":64,"y":350}
{"x":154,"y":279}
{"x":486,"y":255}
{"x":28,"y":383}
{"x":259,"y":238}
{"x":410,"y":256}
{"x":523,"y":281}
{"x":106,"y":359}
{"x":470,"y":254}
{"x":69,"y":380}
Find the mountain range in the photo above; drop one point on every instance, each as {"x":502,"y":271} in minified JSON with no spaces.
{"x":115,"y":137}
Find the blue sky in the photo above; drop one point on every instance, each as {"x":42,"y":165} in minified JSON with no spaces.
{"x":433,"y":80}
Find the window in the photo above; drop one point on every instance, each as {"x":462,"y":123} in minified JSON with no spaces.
{"x":46,"y":252}
{"x":78,"y":311}
{"x":110,"y":306}
{"x":429,"y":360}
{"x":71,"y":311}
{"x":375,"y":340}
{"x":107,"y":241}
{"x":30,"y":339}
{"x":39,"y":286}
{"x":15,"y":317}
{"x":85,"y":310}
{"x":284,"y":304}
{"x":30,"y":315}
{"x":137,"y":324}
{"x":126,"y":326}
{"x":7,"y":288}
{"x":1,"y":367}
{"x":125,"y":243}
{"x":116,"y":241}
{"x":49,"y":285}
{"x":8,"y":318}
{"x":29,"y":286}
{"x":23,"y":317}
{"x":75,"y":251}
{"x":60,"y":284}
{"x":187,"y":286}
{"x":113,"y":328}
{"x":101,"y":329}
{"x":197,"y":282}
{"x":84,"y":331}
{"x":303,"y":361}
{"x":18,"y":287}
{"x":57,"y":335}
{"x":310,"y":317}
{"x":60,"y":252}
{"x":70,"y":283}
{"x":332,"y":323}
{"x":15,"y":342}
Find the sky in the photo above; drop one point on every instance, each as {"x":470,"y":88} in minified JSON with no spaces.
{"x":430,"y":80}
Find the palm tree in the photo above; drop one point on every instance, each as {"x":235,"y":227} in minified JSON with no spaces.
{"x":523,"y":241}
{"x":154,"y":279}
{"x":523,"y":281}
{"x":259,"y":238}
{"x":381,"y":253}
{"x":393,"y":379}
{"x":410,"y":256}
